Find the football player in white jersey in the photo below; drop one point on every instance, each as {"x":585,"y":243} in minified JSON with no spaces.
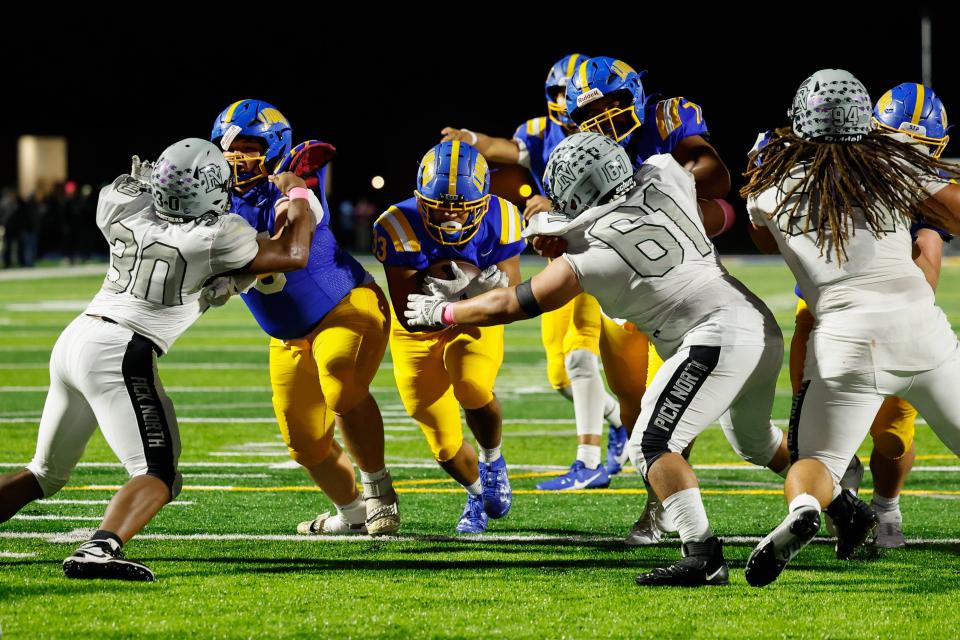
{"x":169,"y":234}
{"x":837,"y":199}
{"x":636,"y":243}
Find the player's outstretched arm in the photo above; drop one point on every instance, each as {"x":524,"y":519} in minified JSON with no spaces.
{"x":548,"y":290}
{"x":291,"y":250}
{"x":491,"y":148}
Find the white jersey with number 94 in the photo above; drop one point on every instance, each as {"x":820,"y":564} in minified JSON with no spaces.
{"x":158,"y":268}
{"x":647,"y":259}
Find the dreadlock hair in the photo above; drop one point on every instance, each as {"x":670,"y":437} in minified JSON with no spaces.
{"x":879,"y":173}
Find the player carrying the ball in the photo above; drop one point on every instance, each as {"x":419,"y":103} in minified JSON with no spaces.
{"x":454,"y":221}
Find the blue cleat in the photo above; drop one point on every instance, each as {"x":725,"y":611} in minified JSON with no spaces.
{"x":616,"y":449}
{"x":474,"y":518}
{"x":497,"y":494}
{"x":579,"y":477}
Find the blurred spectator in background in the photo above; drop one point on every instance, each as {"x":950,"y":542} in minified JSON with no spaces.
{"x":363,"y":215}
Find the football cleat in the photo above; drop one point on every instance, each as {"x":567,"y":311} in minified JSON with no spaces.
{"x":383,"y":506}
{"x":855,"y":521}
{"x":474,"y":518}
{"x":103,"y":560}
{"x":497,"y":494}
{"x":781,"y":545}
{"x":330,"y":524}
{"x":578,"y":477}
{"x":651,"y":526}
{"x":889,"y":536}
{"x":702,"y":565}
{"x":616,"y":449}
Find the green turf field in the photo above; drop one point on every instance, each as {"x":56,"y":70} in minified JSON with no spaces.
{"x":228,"y":565}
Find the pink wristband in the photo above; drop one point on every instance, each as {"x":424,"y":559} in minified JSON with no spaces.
{"x":299,"y":193}
{"x":729,"y":215}
{"x":446,"y":316}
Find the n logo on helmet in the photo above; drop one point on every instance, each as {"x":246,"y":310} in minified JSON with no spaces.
{"x":210,"y":178}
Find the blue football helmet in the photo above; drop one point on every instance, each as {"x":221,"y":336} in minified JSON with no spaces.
{"x":254,"y":119}
{"x":914,"y":110}
{"x":453,"y":180}
{"x":557,"y":79}
{"x":605,"y":78}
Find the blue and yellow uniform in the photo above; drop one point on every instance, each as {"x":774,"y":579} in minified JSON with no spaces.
{"x":328,"y":325}
{"x":438,"y":370}
{"x":328,"y":322}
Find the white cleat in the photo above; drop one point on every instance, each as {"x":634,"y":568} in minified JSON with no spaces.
{"x":327,"y":524}
{"x":383,"y":519}
{"x":647,"y":530}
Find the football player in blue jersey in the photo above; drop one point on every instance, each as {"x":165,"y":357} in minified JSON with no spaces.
{"x":572,"y":334}
{"x":452,"y":216}
{"x":328,"y":325}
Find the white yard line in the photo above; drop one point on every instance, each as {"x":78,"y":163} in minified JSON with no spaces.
{"x":79,"y":535}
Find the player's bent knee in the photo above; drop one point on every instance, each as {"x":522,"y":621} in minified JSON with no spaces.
{"x":310,"y":454}
{"x":443,"y":447}
{"x":891,"y":444}
{"x":50,"y":480}
{"x":581,"y":365}
{"x":471,"y":395}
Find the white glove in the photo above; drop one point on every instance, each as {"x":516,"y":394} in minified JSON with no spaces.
{"x":141,"y":170}
{"x":489,"y":279}
{"x":222,"y":288}
{"x":425,"y":311}
{"x":447,"y":289}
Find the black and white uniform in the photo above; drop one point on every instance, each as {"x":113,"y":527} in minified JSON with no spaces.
{"x":647,"y":259}
{"x":103,"y":367}
{"x":878,"y":333}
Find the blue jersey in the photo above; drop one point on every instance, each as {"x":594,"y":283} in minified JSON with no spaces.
{"x":289,"y":305}
{"x":539,"y":136}
{"x":401,"y":240}
{"x":665,"y":124}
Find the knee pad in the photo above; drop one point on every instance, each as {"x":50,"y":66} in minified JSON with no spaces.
{"x":444,"y":444}
{"x":894,"y":428}
{"x":310,"y":454}
{"x":344,"y":397}
{"x":758,"y":449}
{"x":471,"y":395}
{"x":581,"y":365}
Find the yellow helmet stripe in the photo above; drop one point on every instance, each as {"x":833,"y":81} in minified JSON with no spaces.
{"x":572,"y":65}
{"x":454,"y":161}
{"x":582,"y":71}
{"x":918,"y":107}
{"x":229,"y":116}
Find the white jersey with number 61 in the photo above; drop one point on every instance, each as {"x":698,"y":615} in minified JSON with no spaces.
{"x":158,"y":268}
{"x":647,"y":259}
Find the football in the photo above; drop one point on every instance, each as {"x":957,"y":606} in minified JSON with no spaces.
{"x":442,"y":270}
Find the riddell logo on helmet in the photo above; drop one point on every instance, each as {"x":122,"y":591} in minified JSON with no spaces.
{"x":588,"y":97}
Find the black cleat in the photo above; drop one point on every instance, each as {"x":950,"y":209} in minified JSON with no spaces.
{"x":702,"y":564}
{"x":855,"y":521}
{"x":103,"y":560}
{"x":781,"y":545}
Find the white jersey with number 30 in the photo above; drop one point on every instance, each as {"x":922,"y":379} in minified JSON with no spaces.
{"x":647,"y":259}
{"x":158,"y":268}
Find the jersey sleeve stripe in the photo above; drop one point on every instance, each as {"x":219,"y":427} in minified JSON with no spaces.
{"x":510,"y":226}
{"x":400,"y":231}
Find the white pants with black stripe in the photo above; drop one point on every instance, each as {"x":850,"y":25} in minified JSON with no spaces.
{"x":103,"y":373}
{"x":831,"y":417}
{"x":699,"y":385}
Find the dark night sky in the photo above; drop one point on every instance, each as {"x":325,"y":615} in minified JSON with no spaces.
{"x":381,"y":97}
